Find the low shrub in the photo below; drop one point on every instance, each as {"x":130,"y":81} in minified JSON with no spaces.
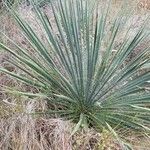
{"x":82,"y":80}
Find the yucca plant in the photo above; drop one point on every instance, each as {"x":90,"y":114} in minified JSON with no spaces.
{"x":89,"y":83}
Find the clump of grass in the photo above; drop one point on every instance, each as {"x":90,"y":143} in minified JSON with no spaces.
{"x":26,"y":132}
{"x":144,"y":4}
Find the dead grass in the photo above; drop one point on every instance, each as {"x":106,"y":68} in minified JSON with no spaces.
{"x":144,"y":4}
{"x":24,"y":130}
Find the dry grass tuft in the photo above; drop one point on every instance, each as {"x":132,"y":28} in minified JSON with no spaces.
{"x":25,"y":131}
{"x":144,"y":4}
